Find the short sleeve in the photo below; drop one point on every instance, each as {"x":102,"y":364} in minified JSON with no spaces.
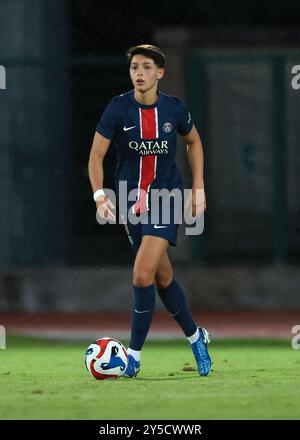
{"x":107,"y":126}
{"x":185,"y":122}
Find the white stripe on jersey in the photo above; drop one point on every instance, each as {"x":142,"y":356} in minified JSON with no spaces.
{"x":140,"y":177}
{"x":156,"y":123}
{"x":141,"y":125}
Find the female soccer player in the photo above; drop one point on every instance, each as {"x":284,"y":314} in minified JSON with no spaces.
{"x":143,"y":125}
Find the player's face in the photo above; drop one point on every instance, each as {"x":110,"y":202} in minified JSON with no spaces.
{"x":144,"y":73}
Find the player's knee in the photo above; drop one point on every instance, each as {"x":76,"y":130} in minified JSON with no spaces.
{"x":163,"y":281}
{"x":142,"y":277}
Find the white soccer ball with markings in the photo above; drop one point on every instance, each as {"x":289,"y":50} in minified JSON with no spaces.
{"x":106,"y":358}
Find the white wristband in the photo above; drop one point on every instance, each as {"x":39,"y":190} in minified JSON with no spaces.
{"x":98,"y":193}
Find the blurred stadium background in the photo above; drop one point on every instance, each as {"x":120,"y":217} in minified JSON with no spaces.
{"x":231,"y":62}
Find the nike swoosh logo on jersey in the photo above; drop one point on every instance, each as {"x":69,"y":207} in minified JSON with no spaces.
{"x":128,"y":128}
{"x":159,"y":227}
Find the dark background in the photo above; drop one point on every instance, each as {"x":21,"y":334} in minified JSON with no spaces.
{"x":116,"y":25}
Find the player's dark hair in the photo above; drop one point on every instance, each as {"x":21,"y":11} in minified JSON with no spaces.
{"x":149,"y":51}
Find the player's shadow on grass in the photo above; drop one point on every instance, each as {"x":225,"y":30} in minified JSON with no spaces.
{"x":149,"y":379}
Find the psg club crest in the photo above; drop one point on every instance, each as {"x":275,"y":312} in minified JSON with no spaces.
{"x":167,"y":127}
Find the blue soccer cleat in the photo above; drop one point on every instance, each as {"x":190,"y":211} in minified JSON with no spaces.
{"x":200,"y":352}
{"x":133,"y":367}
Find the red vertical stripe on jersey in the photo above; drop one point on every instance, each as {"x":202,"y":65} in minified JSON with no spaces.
{"x":148,"y":172}
{"x":148,"y":123}
{"x":148,"y":166}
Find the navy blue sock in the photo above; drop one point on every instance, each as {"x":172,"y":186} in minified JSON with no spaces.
{"x":174,"y":300}
{"x":142,"y":311}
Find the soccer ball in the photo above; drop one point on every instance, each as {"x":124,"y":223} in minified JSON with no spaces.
{"x":106,"y":358}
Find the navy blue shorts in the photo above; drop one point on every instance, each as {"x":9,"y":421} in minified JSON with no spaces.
{"x":166,"y":230}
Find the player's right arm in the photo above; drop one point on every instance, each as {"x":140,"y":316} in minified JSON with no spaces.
{"x":98,"y":151}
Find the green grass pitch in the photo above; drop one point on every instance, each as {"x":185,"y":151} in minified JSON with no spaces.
{"x":42,"y":379}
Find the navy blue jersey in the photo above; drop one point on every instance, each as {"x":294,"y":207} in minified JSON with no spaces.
{"x":145,"y":137}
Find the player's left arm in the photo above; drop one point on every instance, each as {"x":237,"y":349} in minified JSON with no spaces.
{"x":196,"y":162}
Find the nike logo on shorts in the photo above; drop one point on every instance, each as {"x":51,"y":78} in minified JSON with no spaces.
{"x":128,"y":128}
{"x":142,"y":311}
{"x":159,"y":227}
